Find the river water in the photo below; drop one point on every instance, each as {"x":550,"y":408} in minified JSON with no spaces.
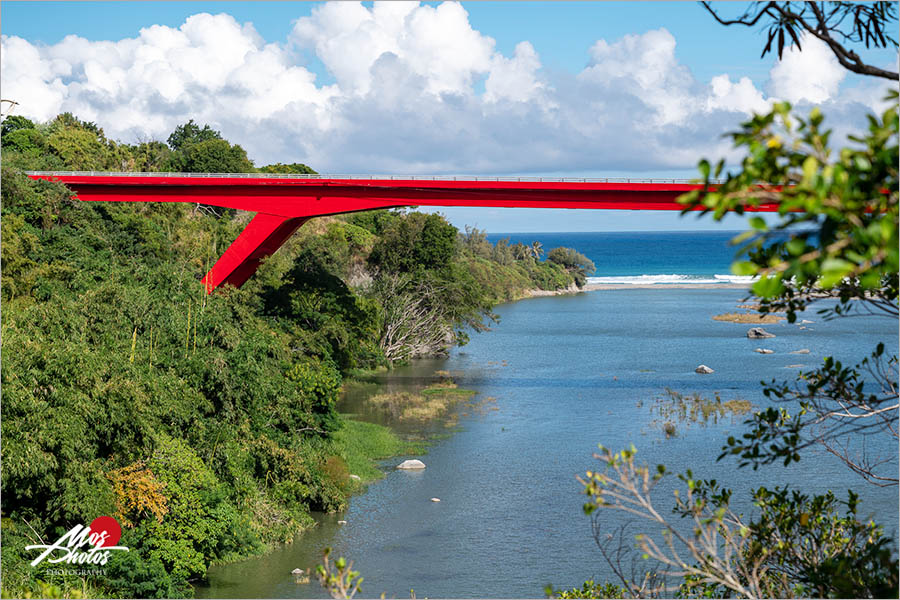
{"x":567,"y":372}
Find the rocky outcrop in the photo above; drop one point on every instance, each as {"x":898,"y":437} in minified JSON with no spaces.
{"x":703,"y":370}
{"x":411,"y":464}
{"x":758,"y":333}
{"x":802,"y":351}
{"x":571,"y":289}
{"x":764,"y":351}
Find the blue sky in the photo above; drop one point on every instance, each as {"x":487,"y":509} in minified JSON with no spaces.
{"x":490,"y":88}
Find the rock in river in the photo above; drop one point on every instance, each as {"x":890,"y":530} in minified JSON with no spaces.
{"x":703,"y":369}
{"x":764,"y":351}
{"x":411,"y":464}
{"x":759,"y":332}
{"x":435,"y":499}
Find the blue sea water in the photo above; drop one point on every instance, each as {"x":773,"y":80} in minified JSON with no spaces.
{"x":657,"y":257}
{"x":567,"y":373}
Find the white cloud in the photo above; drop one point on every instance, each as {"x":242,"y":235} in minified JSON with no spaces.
{"x":406,"y":96}
{"x":645,"y":66}
{"x":741,"y":96}
{"x":514,"y":78}
{"x":812,"y":74}
{"x":436,"y":43}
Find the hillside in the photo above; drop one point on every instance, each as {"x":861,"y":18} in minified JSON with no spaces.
{"x":205,"y":424}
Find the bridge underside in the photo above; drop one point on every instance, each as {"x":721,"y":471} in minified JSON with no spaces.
{"x":284,"y":203}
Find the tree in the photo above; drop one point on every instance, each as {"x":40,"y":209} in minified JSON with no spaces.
{"x":203,"y":150}
{"x":216,"y":156}
{"x":838,"y":24}
{"x":413,"y":243}
{"x":293,"y":168}
{"x":14,"y":123}
{"x":574,"y":262}
{"x":190,"y":133}
{"x":796,"y":546}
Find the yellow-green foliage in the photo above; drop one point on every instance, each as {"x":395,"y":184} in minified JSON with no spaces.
{"x":430,"y":403}
{"x":138,"y":490}
{"x":735,"y":317}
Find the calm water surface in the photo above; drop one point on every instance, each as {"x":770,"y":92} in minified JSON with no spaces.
{"x":568,"y":372}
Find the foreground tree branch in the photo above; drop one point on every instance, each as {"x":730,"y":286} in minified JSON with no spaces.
{"x":837,"y":24}
{"x":793,"y":546}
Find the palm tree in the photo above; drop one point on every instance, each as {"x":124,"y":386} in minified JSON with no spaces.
{"x":537,"y":249}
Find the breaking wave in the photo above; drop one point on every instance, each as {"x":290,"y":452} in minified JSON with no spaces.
{"x":670,"y":279}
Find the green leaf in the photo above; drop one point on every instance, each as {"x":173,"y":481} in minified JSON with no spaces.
{"x":744,"y":268}
{"x":768,"y":286}
{"x":834,"y":270}
{"x":796,"y":246}
{"x":758,"y":223}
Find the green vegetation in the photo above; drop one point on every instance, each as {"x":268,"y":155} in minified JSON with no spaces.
{"x":338,"y":577}
{"x":589,"y":589}
{"x":431,"y":403}
{"x":205,"y":424}
{"x":687,"y":409}
{"x":573,"y":262}
{"x":360,"y":444}
{"x":505,"y":271}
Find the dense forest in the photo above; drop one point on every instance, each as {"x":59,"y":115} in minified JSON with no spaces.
{"x":205,"y":424}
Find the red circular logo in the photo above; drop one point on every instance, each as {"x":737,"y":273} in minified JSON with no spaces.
{"x":110,"y":526}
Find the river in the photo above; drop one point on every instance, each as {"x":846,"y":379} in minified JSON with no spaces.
{"x":568,"y":372}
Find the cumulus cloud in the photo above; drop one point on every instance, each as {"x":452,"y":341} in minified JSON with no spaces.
{"x":811,"y":74}
{"x":741,"y":96}
{"x":407,"y":95}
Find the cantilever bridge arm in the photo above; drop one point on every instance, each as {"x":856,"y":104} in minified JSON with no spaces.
{"x":261,"y":238}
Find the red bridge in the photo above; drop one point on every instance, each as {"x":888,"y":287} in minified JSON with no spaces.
{"x":282,"y":203}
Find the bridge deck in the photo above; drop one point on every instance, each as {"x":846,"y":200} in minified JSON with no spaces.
{"x":284,"y":202}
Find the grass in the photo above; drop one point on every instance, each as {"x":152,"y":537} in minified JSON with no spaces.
{"x":431,"y":403}
{"x":362,"y":444}
{"x":754,"y":318}
{"x":690,"y":409}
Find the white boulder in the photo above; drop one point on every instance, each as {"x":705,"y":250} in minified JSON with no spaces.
{"x":759,"y":332}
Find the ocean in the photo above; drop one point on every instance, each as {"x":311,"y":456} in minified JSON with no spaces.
{"x":652,"y":257}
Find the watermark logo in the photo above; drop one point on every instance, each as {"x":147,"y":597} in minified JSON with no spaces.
{"x":82,"y":545}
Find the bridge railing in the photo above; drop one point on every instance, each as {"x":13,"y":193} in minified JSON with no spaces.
{"x":370,"y":177}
